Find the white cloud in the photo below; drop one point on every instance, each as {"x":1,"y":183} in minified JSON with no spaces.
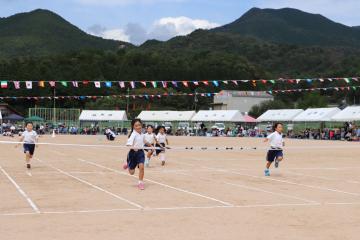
{"x":162,"y":29}
{"x":344,"y":11}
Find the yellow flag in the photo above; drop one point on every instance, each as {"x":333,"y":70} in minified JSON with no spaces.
{"x":41,"y":84}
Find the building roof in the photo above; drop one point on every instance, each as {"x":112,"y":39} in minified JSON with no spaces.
{"x":317,"y":115}
{"x":102,"y":115}
{"x":219,"y":116}
{"x":284,"y":115}
{"x":348,"y":114}
{"x":166,"y":115}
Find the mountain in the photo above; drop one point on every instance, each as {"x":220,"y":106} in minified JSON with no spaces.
{"x":292,"y":26}
{"x":42,"y":32}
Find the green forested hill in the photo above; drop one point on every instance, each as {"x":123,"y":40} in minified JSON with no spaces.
{"x":42,"y":32}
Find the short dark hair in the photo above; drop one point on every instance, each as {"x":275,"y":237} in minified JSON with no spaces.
{"x":150,"y":126}
{"x":276,"y":125}
{"x":27,"y":123}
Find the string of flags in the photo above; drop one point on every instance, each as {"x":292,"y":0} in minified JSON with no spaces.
{"x":4,"y":84}
{"x":163,"y":95}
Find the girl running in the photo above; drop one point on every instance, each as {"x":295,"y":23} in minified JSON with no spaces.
{"x":29,"y":137}
{"x":150,"y":141}
{"x":275,"y":152}
{"x":136,"y":157}
{"x":162,"y":141}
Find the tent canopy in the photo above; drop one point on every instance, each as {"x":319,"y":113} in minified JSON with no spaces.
{"x":285,"y":115}
{"x":219,"y":116}
{"x":14,"y":117}
{"x":249,"y":119}
{"x":102,"y":115}
{"x":0,"y":115}
{"x":317,"y":115}
{"x":166,"y":115}
{"x":348,"y":114}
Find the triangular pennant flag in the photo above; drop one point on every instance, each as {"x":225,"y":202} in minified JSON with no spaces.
{"x":225,"y":82}
{"x":174,"y":83}
{"x":272,"y":81}
{"x":4,"y":84}
{"x":185,"y":83}
{"x":235,"y":82}
{"x":97,"y":84}
{"x":86,"y":82}
{"x":164,"y":84}
{"x":321,"y":80}
{"x":64,"y":83}
{"x":355,"y":79}
{"x":206,"y":83}
{"x":264,"y":81}
{"x":52,"y":84}
{"x":28,"y":84}
{"x":108,"y":84}
{"x":41,"y":84}
{"x":143,"y":83}
{"x":154,"y":84}
{"x":75,"y":84}
{"x":347,"y":80}
{"x":122,"y":84}
{"x":132,"y":83}
{"x":330,"y":79}
{"x":216,"y":83}
{"x":196,"y":83}
{"x":253,"y":82}
{"x":17,"y":84}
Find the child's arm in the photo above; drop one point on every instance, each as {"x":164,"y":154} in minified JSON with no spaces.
{"x":167,"y":141}
{"x":266,"y":140}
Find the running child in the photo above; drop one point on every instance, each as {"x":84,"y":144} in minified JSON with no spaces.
{"x":150,"y":141}
{"x":275,"y":152}
{"x":29,"y":138}
{"x":162,"y":141}
{"x":136,"y":156}
{"x":110,"y":135}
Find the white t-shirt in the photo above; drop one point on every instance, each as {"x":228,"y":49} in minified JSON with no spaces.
{"x":276,"y":140}
{"x":161,"y":138}
{"x":135,"y":140}
{"x":149,"y":138}
{"x":29,"y":137}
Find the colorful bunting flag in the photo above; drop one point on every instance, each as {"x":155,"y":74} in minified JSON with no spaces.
{"x":108,"y":84}
{"x":235,"y":82}
{"x":64,"y":83}
{"x":216,"y":83}
{"x":52,"y":84}
{"x":164,"y":84}
{"x":174,"y":83}
{"x":4,"y":84}
{"x":132,"y":83}
{"x":42,"y":84}
{"x":97,"y":84}
{"x":154,"y":84}
{"x":122,"y":84}
{"x":185,"y":83}
{"x":17,"y":84}
{"x":29,"y":84}
{"x":75,"y":84}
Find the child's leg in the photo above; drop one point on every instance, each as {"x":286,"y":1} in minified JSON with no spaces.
{"x":280,"y":158}
{"x":27,"y":157}
{"x":162,"y":158}
{"x":268,"y":164}
{"x":141,"y":172}
{"x":131,"y":171}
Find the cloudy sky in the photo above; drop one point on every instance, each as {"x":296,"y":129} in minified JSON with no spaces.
{"x":138,"y":20}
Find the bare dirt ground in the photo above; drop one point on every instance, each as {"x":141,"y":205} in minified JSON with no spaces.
{"x":82,"y":192}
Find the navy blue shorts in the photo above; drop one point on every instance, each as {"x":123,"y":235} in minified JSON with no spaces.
{"x":135,"y":158}
{"x":274,"y":154}
{"x":160,"y":145}
{"x":28,"y":147}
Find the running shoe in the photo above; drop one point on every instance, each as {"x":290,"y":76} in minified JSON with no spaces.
{"x":163,"y":163}
{"x":276,"y":163}
{"x":28,"y":166}
{"x":141,"y":186}
{"x":267,"y":172}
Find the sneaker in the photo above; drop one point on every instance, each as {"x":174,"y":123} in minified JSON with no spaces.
{"x":28,"y":166}
{"x":141,"y":186}
{"x":276,"y":163}
{"x":267,"y":172}
{"x":163,"y":163}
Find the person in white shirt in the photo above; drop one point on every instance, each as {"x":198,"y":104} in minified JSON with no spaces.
{"x":110,"y":135}
{"x":136,"y":156}
{"x":275,"y":152}
{"x":162,"y":141}
{"x":150,"y":141}
{"x":29,"y":138}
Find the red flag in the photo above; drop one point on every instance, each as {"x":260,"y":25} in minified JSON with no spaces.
{"x":85,"y":82}
{"x":185,"y":83}
{"x":206,"y":83}
{"x":143,"y":83}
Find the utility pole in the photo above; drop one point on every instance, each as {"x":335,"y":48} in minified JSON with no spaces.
{"x":54,"y":106}
{"x":196,"y":100}
{"x":127,"y":100}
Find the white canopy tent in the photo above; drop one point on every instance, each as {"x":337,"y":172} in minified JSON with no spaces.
{"x":171,"y":116}
{"x":280,"y":115}
{"x":317,"y":115}
{"x":102,"y":115}
{"x":0,"y":116}
{"x":219,"y":116}
{"x":348,"y":114}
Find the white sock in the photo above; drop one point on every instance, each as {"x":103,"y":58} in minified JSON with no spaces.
{"x":140,"y":182}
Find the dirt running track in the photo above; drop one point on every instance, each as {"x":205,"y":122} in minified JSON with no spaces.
{"x":82,"y":193}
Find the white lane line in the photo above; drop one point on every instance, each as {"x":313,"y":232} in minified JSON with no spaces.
{"x":91,"y":185}
{"x":21,"y":191}
{"x":287,"y":182}
{"x":323,"y":178}
{"x":253,"y":189}
{"x":159,"y":183}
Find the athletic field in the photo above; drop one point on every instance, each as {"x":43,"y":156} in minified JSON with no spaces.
{"x":82,"y":193}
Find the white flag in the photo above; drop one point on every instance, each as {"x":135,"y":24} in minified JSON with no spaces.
{"x":17,"y":84}
{"x":75,"y":84}
{"x":122,"y":84}
{"x":97,"y":84}
{"x":29,"y":84}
